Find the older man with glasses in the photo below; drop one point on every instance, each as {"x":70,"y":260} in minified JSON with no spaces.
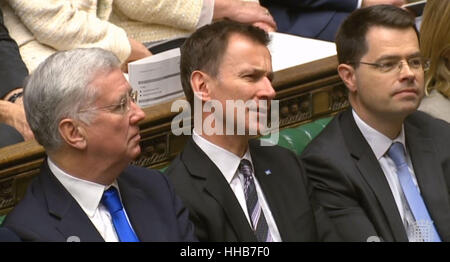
{"x":82,"y":110}
{"x":381,"y":169}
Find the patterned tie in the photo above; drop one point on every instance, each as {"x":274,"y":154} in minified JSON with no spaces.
{"x":124,"y":231}
{"x":424,"y":225}
{"x":259,"y":224}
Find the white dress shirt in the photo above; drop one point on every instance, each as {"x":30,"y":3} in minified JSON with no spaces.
{"x":228,"y":164}
{"x":380,"y":144}
{"x":88,"y":195}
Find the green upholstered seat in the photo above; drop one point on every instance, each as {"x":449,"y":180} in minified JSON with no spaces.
{"x":2,"y":218}
{"x":297,"y":138}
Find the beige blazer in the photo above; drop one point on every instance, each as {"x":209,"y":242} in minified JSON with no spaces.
{"x":41,"y":27}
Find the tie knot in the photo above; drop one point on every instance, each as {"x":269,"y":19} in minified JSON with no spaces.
{"x":111,"y":200}
{"x":245,"y":167}
{"x":397,"y":154}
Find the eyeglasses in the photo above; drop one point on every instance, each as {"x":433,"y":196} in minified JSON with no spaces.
{"x":121,"y":108}
{"x":414,"y":63}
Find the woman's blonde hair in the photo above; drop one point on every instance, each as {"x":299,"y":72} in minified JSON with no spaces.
{"x":435,"y":45}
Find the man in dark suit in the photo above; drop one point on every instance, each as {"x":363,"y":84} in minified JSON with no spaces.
{"x":238,"y":190}
{"x":82,"y":110}
{"x":318,"y":19}
{"x":381,"y":169}
{"x":13,"y":125}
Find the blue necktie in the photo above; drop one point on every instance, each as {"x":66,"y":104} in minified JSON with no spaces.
{"x":259,"y":223}
{"x":424,"y":224}
{"x":112,"y":202}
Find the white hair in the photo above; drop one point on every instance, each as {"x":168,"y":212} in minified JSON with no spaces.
{"x":60,"y":87}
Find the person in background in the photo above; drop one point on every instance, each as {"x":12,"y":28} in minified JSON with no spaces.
{"x":13,"y":125}
{"x":318,"y":19}
{"x":381,"y":169}
{"x":435,"y":44}
{"x":81,"y":110}
{"x":42,"y":27}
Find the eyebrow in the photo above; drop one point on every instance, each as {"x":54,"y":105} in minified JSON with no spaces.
{"x":124,"y":95}
{"x":396,"y":57}
{"x":258,"y":72}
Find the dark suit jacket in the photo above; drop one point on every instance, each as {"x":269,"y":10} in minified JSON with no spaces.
{"x":318,"y":19}
{"x":7,"y":236}
{"x":351,"y":186}
{"x":216,"y":212}
{"x":49,"y":213}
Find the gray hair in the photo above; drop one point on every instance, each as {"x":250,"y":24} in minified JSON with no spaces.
{"x":60,"y":87}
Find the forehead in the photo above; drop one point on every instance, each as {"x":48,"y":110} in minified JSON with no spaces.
{"x":110,"y":85}
{"x":244,"y":52}
{"x":383,"y":41}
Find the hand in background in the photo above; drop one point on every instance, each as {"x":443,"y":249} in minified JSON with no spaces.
{"x":138,"y":51}
{"x":13,"y":114}
{"x":244,"y":12}
{"x":265,"y":27}
{"x":398,"y":3}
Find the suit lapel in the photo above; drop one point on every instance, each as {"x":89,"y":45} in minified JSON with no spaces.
{"x":371,"y":171}
{"x":72,"y":219}
{"x":200,"y":166}
{"x":430,"y":178}
{"x":134,"y":200}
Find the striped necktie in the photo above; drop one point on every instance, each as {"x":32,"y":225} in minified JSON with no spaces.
{"x":259,"y":223}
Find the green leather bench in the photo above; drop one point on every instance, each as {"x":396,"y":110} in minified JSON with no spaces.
{"x":295,"y":138}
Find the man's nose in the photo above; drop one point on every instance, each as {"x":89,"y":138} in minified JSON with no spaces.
{"x":405,"y":70}
{"x":268,"y":92}
{"x":137,"y":114}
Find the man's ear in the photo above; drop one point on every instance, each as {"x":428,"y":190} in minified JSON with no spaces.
{"x":73,"y":133}
{"x":201,"y":85}
{"x":347,"y":74}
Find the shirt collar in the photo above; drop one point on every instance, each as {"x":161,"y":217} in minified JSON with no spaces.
{"x":226,"y":161}
{"x":377,"y":141}
{"x":87,"y":194}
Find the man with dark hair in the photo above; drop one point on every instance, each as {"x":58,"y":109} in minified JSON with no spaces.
{"x":381,"y":169}
{"x":13,"y":125}
{"x":82,"y":110}
{"x":236,"y":189}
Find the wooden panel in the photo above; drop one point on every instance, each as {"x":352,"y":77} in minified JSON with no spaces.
{"x":305,"y":92}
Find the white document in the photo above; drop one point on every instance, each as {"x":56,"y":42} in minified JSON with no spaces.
{"x":291,"y":50}
{"x":156,"y":78}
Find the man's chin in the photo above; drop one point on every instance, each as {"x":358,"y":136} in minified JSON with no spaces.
{"x":134,"y":153}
